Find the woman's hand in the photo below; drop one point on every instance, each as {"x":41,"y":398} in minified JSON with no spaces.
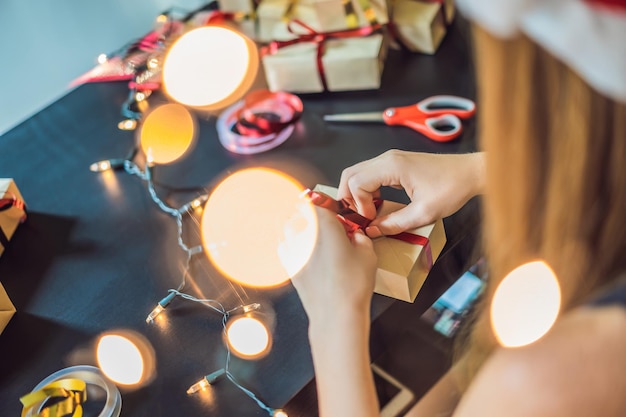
{"x":339,"y":277}
{"x":336,"y":289}
{"x":438,"y":186}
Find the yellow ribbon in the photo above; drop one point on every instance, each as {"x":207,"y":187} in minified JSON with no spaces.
{"x":352,"y":20}
{"x":69,"y":395}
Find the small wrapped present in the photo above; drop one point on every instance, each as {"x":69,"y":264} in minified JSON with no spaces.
{"x":421,"y":26}
{"x":12,"y":210}
{"x":335,"y":61}
{"x":404,"y":260}
{"x":245,"y":6}
{"x":321,"y":15}
{"x":7,"y":309}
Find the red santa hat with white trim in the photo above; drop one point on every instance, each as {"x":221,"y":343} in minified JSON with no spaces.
{"x":587,"y":35}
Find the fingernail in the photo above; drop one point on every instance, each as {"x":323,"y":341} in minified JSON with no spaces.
{"x":373,"y":231}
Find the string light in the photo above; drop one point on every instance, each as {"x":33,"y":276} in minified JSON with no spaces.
{"x":128,"y":124}
{"x":153,"y":63}
{"x":140,"y":96}
{"x":160,"y":307}
{"x":133,"y":110}
{"x":106,"y":165}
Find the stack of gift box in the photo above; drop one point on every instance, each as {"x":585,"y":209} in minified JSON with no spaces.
{"x":336,"y":45}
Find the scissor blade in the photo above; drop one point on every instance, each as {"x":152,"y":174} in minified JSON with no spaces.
{"x":355,"y":117}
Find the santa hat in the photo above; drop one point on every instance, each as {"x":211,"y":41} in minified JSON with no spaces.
{"x":587,"y":35}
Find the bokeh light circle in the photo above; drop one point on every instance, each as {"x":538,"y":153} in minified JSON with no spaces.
{"x":257,"y":228}
{"x":525,"y":305}
{"x":167,"y":133}
{"x":248,"y":337}
{"x":210,"y":67}
{"x":120,"y":359}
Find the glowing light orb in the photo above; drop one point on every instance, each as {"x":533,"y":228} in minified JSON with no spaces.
{"x":120,"y":359}
{"x":167,"y":133}
{"x":248,"y":337}
{"x":525,"y":305}
{"x":210,"y":67}
{"x":257,"y":229}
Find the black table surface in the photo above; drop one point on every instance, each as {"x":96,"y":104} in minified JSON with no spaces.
{"x":96,"y":254}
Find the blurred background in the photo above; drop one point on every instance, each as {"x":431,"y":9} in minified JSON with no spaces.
{"x":46,"y":44}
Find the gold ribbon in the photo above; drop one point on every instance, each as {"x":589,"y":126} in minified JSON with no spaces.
{"x":68,"y":395}
{"x":352,"y":20}
{"x":368,"y":11}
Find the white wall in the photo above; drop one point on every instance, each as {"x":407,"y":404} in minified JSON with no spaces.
{"x":45,"y":44}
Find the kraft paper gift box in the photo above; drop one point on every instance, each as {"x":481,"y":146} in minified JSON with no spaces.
{"x":245,"y":6}
{"x":420,"y":26}
{"x":321,"y":15}
{"x":402,"y":267}
{"x":11,"y":210}
{"x":348,"y":64}
{"x":6,"y":308}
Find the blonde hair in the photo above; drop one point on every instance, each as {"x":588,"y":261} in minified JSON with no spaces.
{"x":556,"y":175}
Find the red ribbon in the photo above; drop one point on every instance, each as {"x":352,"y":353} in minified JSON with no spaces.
{"x":6,"y":204}
{"x":260,"y":122}
{"x":264,"y":112}
{"x":318,"y":38}
{"x":352,"y":221}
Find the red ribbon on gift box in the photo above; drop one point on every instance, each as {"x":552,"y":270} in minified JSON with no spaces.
{"x":319,"y":39}
{"x":352,"y":221}
{"x":7,"y":203}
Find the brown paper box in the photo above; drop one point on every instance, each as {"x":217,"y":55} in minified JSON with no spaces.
{"x":349,"y":64}
{"x":246,"y":6}
{"x":9,"y":219}
{"x":7,"y":309}
{"x":402,"y":266}
{"x":420,"y":26}
{"x":320,"y":15}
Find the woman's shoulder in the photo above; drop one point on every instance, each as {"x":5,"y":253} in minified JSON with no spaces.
{"x":578,"y":368}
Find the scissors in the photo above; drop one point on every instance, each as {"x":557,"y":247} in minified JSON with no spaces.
{"x":437,"y":117}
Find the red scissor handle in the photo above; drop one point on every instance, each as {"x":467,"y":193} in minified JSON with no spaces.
{"x":461,"y":107}
{"x":437,"y":117}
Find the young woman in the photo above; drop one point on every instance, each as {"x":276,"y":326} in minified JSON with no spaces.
{"x":552,"y":93}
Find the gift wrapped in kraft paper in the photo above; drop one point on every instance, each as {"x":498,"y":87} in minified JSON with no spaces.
{"x":6,"y":309}
{"x":402,"y":266}
{"x":12,"y":211}
{"x":321,"y":15}
{"x":421,"y":25}
{"x":332,"y":61}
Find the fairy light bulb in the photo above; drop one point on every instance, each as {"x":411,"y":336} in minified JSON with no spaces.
{"x":100,"y":166}
{"x":153,"y":63}
{"x":209,"y":67}
{"x":205,"y":382}
{"x":248,"y":337}
{"x":160,"y":307}
{"x":162,"y":18}
{"x":525,"y":305}
{"x":128,"y":124}
{"x":279,"y":413}
{"x":102,"y":58}
{"x":167,"y":133}
{"x":258,"y":215}
{"x":120,"y":359}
